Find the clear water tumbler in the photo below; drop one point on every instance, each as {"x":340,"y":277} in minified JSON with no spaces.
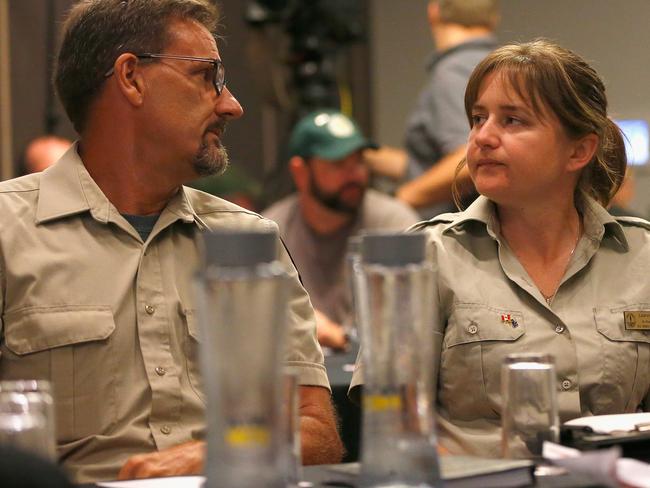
{"x":27,"y":417}
{"x":242,"y":302}
{"x":394,"y":287}
{"x":352,"y":267}
{"x":291,"y":429}
{"x":529,"y":413}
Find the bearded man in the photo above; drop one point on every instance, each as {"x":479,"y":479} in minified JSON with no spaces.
{"x":332,"y":203}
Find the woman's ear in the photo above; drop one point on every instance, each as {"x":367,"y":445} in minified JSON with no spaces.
{"x":129,"y":78}
{"x":584,"y":150}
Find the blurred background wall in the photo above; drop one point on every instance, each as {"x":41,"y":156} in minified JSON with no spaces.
{"x":382,"y":72}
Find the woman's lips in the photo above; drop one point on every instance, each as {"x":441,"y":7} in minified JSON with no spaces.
{"x":488,"y":163}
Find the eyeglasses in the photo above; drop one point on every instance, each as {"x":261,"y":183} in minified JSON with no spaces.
{"x":218,"y":71}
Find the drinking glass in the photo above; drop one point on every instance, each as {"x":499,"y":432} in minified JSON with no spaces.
{"x":352,"y":267}
{"x":27,"y":417}
{"x":530,"y":412}
{"x":291,"y":449}
{"x":394,"y":289}
{"x":243,"y":303}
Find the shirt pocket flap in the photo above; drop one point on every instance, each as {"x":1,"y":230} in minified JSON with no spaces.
{"x":192,"y":323}
{"x":472,"y":322}
{"x":40,"y":328}
{"x":610,"y":322}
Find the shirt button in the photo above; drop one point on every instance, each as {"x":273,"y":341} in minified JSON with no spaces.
{"x":150,"y":309}
{"x":472,"y":329}
{"x":559,"y":329}
{"x":160,"y":371}
{"x":166,"y":429}
{"x":566,"y":384}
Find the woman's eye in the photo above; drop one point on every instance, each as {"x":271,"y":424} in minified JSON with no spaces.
{"x":513,"y":121}
{"x":477,"y":119}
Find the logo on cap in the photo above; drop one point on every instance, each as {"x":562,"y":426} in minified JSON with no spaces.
{"x":338,"y":125}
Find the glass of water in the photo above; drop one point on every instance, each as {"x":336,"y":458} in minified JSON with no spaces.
{"x":27,"y":417}
{"x":530,"y":412}
{"x":290,"y":419}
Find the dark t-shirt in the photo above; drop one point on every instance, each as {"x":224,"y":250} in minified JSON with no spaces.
{"x":320,"y":259}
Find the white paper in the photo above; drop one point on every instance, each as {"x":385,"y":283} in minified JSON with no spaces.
{"x":172,"y":482}
{"x":633,"y":473}
{"x":599,"y":465}
{"x":602,"y":465}
{"x":606,"y":424}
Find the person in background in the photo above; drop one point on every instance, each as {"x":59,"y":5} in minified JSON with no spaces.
{"x":436,"y":132}
{"x":42,"y":152}
{"x":235,"y":185}
{"x":331,"y":204}
{"x":99,"y":250}
{"x":622,"y":200}
{"x":536,"y":263}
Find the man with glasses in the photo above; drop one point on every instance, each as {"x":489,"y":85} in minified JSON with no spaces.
{"x":98,"y":251}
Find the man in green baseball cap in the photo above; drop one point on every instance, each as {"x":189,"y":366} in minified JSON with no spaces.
{"x":326,"y":163}
{"x":327,"y":134}
{"x":331,"y":204}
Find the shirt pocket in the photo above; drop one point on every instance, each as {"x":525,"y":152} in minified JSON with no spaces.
{"x":625,"y":360}
{"x":476,"y":340}
{"x":71,"y":346}
{"x":192,"y":347}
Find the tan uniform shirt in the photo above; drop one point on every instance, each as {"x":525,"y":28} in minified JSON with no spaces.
{"x":110,"y":320}
{"x":602,"y":367}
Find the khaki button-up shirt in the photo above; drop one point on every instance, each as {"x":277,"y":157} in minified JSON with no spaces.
{"x":110,"y":319}
{"x":488,"y":307}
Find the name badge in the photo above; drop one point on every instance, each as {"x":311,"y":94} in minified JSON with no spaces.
{"x":637,"y":320}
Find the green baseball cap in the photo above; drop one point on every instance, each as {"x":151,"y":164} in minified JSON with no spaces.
{"x":327,"y":134}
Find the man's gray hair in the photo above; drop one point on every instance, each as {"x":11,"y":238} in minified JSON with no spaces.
{"x":96,"y":32}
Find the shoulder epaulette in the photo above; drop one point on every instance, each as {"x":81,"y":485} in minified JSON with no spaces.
{"x":633,"y":221}
{"x":445,"y":218}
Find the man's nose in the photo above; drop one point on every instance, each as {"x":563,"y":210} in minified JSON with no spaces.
{"x":227,"y":106}
{"x":357,"y":171}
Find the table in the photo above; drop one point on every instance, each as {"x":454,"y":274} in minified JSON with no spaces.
{"x":326,"y":476}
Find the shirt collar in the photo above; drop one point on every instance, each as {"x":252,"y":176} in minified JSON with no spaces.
{"x":598,"y":223}
{"x":66,"y":188}
{"x":488,"y":41}
{"x":481,"y":210}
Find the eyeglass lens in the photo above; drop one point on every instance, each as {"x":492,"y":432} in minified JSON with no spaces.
{"x":219,"y":79}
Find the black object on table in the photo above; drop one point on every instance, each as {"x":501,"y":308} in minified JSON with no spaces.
{"x":339,"y":371}
{"x":19,"y":469}
{"x":633,"y":444}
{"x":328,"y":475}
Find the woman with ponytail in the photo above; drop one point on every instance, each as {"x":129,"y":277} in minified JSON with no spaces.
{"x":536,"y":263}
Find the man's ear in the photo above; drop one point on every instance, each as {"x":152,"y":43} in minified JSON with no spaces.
{"x":584,"y":150}
{"x":433,"y":12}
{"x":299,"y":172}
{"x":129,"y":78}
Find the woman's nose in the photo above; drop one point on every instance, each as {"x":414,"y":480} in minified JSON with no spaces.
{"x":486,"y":134}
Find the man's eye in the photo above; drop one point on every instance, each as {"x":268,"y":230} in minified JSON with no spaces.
{"x":208,"y":74}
